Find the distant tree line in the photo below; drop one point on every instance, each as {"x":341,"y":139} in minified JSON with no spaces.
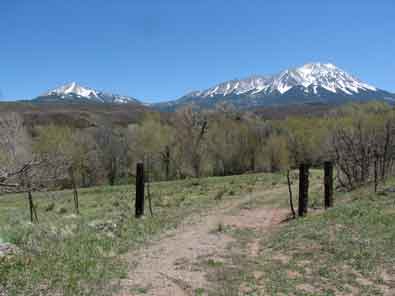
{"x":359,"y":138}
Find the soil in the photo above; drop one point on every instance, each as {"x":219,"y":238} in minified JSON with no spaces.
{"x":168,"y":266}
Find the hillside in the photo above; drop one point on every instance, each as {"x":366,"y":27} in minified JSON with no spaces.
{"x":75,"y":114}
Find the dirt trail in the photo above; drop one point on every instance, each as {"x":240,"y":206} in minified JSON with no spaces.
{"x":167,"y":266}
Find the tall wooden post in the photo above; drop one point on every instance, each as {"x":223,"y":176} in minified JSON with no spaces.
{"x":139,"y":205}
{"x":328,"y":182}
{"x":148,"y":181}
{"x":75,"y":192}
{"x":167,"y":162}
{"x":33,"y":213}
{"x":31,"y":206}
{"x":376,"y":164}
{"x":303,"y":189}
{"x":76,"y":202}
{"x":291,"y":203}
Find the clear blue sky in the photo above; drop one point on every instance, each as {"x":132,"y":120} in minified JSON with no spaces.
{"x":158,"y":50}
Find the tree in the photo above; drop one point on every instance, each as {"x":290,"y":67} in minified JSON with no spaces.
{"x":190,"y":130}
{"x":153,"y":139}
{"x":277,"y":152}
{"x":72,"y":155}
{"x":20,"y":169}
{"x":85,"y":158}
{"x":363,"y":144}
{"x":113,"y":151}
{"x":14,"y":141}
{"x":307,"y":139}
{"x":16,"y":158}
{"x":226,"y":145}
{"x":55,"y":144}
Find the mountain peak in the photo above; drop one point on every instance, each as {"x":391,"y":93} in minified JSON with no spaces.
{"x":311,"y":82}
{"x":319,"y":65}
{"x":73,"y":88}
{"x":310,"y":76}
{"x":74,"y":91}
{"x":318,"y":75}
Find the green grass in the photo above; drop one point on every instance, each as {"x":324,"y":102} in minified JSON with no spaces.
{"x":80,"y":255}
{"x":348,"y":249}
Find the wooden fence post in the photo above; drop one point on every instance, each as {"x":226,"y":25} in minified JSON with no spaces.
{"x":328,"y":182}
{"x":148,"y":181}
{"x":139,"y":205}
{"x":33,"y":213}
{"x":167,"y":162}
{"x":291,"y":203}
{"x":75,"y":192}
{"x":303,"y":189}
{"x":76,"y":202}
{"x":376,"y":179}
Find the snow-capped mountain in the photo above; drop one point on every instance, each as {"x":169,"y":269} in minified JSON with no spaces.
{"x":311,"y":83}
{"x":74,"y":92}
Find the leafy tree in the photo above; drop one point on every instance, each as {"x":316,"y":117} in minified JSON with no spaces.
{"x":190,"y":132}
{"x":278,"y":153}
{"x":112,"y":151}
{"x":153,"y":140}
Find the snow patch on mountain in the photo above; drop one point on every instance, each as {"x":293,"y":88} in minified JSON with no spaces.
{"x":73,"y":89}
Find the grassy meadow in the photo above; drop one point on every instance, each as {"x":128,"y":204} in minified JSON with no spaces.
{"x":79,"y":255}
{"x":348,"y":249}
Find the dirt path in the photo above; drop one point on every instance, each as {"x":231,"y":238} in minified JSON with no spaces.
{"x":167,"y":266}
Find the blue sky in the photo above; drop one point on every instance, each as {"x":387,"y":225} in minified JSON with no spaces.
{"x":160,"y":50}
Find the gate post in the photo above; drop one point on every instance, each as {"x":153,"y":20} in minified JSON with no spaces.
{"x":328,"y":181}
{"x":303,"y":189}
{"x":139,"y":204}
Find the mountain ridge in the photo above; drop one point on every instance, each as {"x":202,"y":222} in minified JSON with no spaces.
{"x":74,"y":92}
{"x":310,"y":83}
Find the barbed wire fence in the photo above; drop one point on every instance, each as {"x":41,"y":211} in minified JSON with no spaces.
{"x":150,"y":160}
{"x":20,"y":181}
{"x":148,"y":170}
